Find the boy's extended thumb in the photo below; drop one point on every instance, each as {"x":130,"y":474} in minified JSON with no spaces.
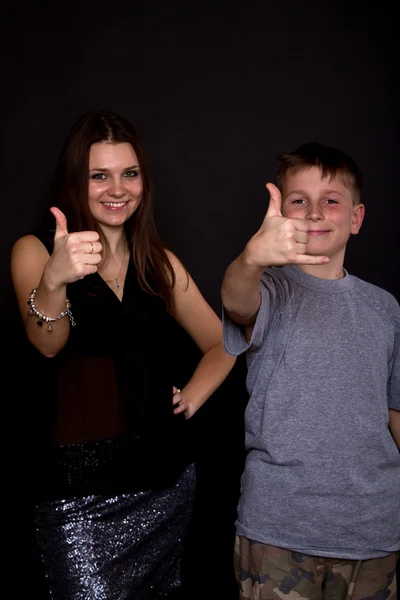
{"x":275,"y":201}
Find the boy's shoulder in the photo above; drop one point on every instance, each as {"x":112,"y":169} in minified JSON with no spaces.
{"x":281,"y":278}
{"x":376,"y":294}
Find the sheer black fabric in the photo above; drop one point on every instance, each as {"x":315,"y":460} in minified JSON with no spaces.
{"x":113,"y":380}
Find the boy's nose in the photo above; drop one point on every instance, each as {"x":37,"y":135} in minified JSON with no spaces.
{"x":314,"y":214}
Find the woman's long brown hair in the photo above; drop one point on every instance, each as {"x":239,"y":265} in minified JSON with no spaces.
{"x":70,"y":193}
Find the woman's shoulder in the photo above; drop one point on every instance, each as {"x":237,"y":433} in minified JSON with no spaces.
{"x":182,"y":276}
{"x":173,"y":259}
{"x":28,"y":243}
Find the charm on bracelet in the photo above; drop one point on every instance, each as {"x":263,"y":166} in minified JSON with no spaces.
{"x":34,"y":310}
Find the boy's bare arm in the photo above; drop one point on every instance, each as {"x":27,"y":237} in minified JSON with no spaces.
{"x":241,"y":290}
{"x":394,"y":425}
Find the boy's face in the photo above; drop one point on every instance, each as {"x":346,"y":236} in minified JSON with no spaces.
{"x":327,"y":206}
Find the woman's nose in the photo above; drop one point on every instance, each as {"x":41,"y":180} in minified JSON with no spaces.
{"x":116,"y":189}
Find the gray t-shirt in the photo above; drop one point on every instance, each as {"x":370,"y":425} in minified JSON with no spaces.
{"x":322,"y":473}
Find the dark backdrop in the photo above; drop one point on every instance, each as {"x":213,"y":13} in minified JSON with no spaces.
{"x":216,"y":91}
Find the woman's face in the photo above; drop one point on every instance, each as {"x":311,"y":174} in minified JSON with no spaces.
{"x":115,"y":183}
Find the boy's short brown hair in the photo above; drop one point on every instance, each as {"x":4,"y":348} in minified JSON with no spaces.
{"x":331,"y":161}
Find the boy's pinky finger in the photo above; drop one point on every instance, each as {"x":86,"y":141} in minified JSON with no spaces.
{"x":308,"y":259}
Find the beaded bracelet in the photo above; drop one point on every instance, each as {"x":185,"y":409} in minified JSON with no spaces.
{"x":34,"y":310}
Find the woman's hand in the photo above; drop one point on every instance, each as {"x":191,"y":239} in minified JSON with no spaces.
{"x":180,"y":404}
{"x":75,"y":255}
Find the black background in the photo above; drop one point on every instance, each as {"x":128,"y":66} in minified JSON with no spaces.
{"x":216,"y":90}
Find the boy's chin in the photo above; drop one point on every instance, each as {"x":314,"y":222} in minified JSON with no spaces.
{"x":319,"y":252}
{"x":320,"y":249}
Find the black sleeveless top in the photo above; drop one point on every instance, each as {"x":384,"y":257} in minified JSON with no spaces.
{"x":115,"y":374}
{"x":113,"y":379}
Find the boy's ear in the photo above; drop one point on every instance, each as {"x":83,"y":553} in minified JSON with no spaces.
{"x":357,"y":219}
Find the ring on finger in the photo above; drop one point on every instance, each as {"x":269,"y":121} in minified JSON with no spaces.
{"x":91,"y":251}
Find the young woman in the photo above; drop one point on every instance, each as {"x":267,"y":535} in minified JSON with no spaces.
{"x":104,"y":300}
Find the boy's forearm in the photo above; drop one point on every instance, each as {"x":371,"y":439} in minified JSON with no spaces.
{"x":394,"y":425}
{"x":241,"y":290}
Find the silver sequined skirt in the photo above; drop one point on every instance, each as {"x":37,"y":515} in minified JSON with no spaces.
{"x":116,"y":547}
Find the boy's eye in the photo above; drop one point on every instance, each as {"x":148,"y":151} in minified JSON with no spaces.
{"x":298,"y":201}
{"x":331,"y":201}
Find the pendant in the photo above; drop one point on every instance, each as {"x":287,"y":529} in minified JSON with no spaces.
{"x":117,"y":286}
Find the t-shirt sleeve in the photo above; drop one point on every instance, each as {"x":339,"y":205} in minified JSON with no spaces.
{"x":394,"y":366}
{"x":234,"y":339}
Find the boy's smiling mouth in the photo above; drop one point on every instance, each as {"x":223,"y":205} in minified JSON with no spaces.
{"x":318,"y":231}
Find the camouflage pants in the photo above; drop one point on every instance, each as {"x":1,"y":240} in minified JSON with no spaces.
{"x":270,"y":573}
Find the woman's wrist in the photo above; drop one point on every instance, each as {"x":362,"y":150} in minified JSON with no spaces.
{"x":44,"y":317}
{"x":51,"y":284}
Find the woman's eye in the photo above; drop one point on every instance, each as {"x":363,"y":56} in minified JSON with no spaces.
{"x":131,"y":174}
{"x":98,"y":176}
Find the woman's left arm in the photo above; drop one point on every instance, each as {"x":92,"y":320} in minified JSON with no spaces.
{"x":199,"y":320}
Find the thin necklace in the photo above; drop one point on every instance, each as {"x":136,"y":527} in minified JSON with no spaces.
{"x":117,"y":284}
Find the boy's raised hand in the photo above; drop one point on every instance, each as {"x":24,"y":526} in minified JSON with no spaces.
{"x":280,"y":241}
{"x":75,"y":255}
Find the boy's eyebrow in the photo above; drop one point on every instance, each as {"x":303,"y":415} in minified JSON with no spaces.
{"x":301,"y":192}
{"x":332,"y":191}
{"x":304,"y":193}
{"x":105,"y":170}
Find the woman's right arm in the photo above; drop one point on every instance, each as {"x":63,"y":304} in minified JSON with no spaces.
{"x":74,"y":256}
{"x":29,"y":259}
